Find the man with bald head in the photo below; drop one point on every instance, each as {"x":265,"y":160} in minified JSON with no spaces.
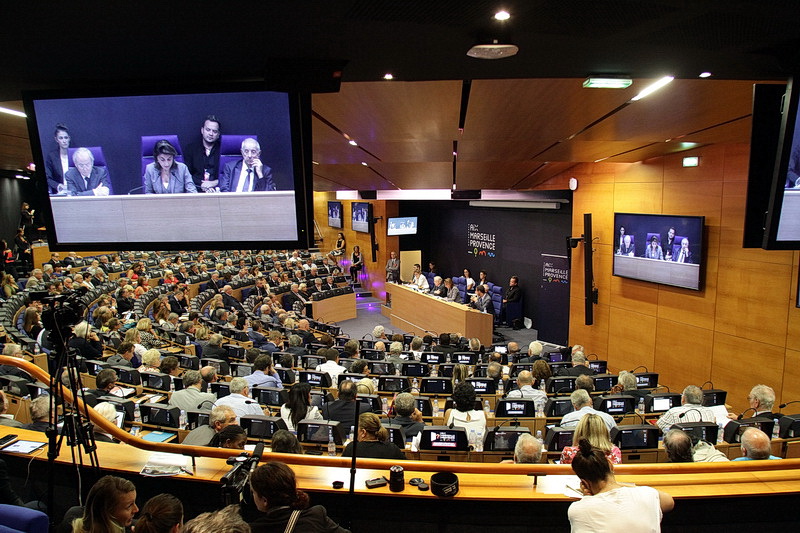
{"x":249,"y":173}
{"x":525,"y":388}
{"x":86,"y":179}
{"x":755,"y":446}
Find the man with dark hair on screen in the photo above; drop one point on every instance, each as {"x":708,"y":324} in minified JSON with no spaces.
{"x":249,"y":173}
{"x":202,"y":157}
{"x":668,"y":244}
{"x":85,"y":179}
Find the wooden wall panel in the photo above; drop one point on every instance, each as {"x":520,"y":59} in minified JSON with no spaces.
{"x":741,"y":329}
{"x":631,"y":339}
{"x":683,"y":354}
{"x":751,"y":300}
{"x":739,"y":363}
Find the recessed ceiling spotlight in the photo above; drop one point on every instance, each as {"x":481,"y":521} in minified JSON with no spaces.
{"x":364,"y":163}
{"x":315,"y":162}
{"x":388,"y":76}
{"x":502,"y":15}
{"x":705,"y":74}
{"x":653,"y":87}
{"x":352,"y":142}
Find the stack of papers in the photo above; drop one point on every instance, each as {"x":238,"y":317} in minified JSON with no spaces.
{"x":165,"y":464}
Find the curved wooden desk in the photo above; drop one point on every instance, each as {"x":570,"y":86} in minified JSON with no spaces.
{"x":504,"y":484}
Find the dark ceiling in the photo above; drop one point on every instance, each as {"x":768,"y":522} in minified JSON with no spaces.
{"x":526,"y":117}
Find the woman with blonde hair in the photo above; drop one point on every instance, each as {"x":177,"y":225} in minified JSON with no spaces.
{"x":147,"y":335}
{"x":373,"y":440}
{"x":592,"y":428}
{"x":10,"y":286}
{"x":151,"y":361}
{"x":460,"y":374}
{"x":132,"y":336}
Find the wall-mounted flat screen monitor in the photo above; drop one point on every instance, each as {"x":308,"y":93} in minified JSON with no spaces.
{"x":361,"y":212}
{"x":666,"y":249}
{"x":783,"y":222}
{"x":335,"y":215}
{"x":401,"y":226}
{"x":111,"y":163}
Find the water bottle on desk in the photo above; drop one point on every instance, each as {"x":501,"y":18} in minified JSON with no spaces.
{"x":435,"y":407}
{"x":776,"y":429}
{"x":415,"y":385}
{"x":434,"y":372}
{"x":500,"y":387}
{"x":384,"y":405}
{"x":472,"y":438}
{"x":183,"y":420}
{"x":640,"y":408}
{"x":486,"y":408}
{"x":331,"y":444}
{"x":479,"y":441}
{"x":539,"y":405}
{"x":137,"y":413}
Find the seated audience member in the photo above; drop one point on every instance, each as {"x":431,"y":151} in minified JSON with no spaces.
{"x":534,"y":353}
{"x":264,"y":374}
{"x":525,"y":388}
{"x":296,"y":345}
{"x":592,"y":428}
{"x":395,"y":354}
{"x":608,"y":505}
{"x":110,"y":507}
{"x":496,"y":371}
{"x":285,"y":442}
{"x":227,"y":519}
{"x":239,"y":400}
{"x":438,"y":288}
{"x":151,"y":361}
{"x":460,"y":374}
{"x":220,"y":418}
{"x":628,"y":382}
{"x":690,"y":410}
{"x":452,"y":293}
{"x":162,"y":513}
{"x":482,"y":301}
{"x":407,"y":415}
{"x":463,"y":414}
{"x":365,"y":386}
{"x":582,"y":403}
{"x":755,"y":446}
{"x":298,"y":406}
{"x":124,"y":355}
{"x":147,"y":334}
{"x":287,"y":362}
{"x":379,"y":332}
{"x":541,"y":371}
{"x":214,"y":348}
{"x":170,"y":366}
{"x":251,"y":354}
{"x":190,"y":397}
{"x":584,"y":382}
{"x":761,"y":399}
{"x":444,"y":345}
{"x":14,"y":350}
{"x":528,"y":449}
{"x":279,"y":501}
{"x":343,"y":409}
{"x":40,"y":411}
{"x":232,"y":436}
{"x":259,"y":339}
{"x":579,"y":366}
{"x":373,"y":440}
{"x":304,"y":330}
{"x":678,"y":445}
{"x":331,"y":365}
{"x":419,"y":280}
{"x":7,"y":420}
{"x":109,"y":412}
{"x":86,"y":341}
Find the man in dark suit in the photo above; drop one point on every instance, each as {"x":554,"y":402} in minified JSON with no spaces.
{"x":627,"y":246}
{"x":482,"y":301}
{"x":293,"y":298}
{"x":344,"y":408}
{"x":407,"y":415}
{"x":86,"y":179}
{"x":177,"y":302}
{"x":215,"y":283}
{"x":684,"y":255}
{"x":229,"y":301}
{"x":202,"y":157}
{"x":247,"y":174}
{"x":444,"y":345}
{"x":580,"y":366}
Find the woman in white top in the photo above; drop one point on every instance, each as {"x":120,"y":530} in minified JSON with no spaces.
{"x":419,"y":279}
{"x":608,"y":505}
{"x":298,"y":406}
{"x":464,"y":414}
{"x":470,"y":282}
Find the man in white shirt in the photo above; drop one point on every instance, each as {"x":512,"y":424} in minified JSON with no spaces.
{"x":239,"y":400}
{"x":582,"y":403}
{"x":525,"y":388}
{"x":331,"y":365}
{"x":191,"y":397}
{"x":690,"y":410}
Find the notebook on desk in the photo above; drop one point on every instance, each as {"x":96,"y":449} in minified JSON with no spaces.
{"x":158,"y":436}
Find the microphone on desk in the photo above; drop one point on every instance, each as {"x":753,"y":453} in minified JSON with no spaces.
{"x":205,"y":402}
{"x":781,"y":406}
{"x":683,"y":414}
{"x":638,"y":367}
{"x":564,"y":389}
{"x":743,"y":412}
{"x":136,"y":189}
{"x":709,"y":382}
{"x":596,"y":357}
{"x":660,"y":386}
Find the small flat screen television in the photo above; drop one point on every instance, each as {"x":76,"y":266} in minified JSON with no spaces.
{"x":634,"y":437}
{"x":401,"y":226}
{"x":393,"y":384}
{"x":600,"y":367}
{"x":361,"y":215}
{"x":666,"y":249}
{"x":335,"y":215}
{"x":560,"y":384}
{"x":443,"y":438}
{"x":436,"y":386}
{"x":260,"y":426}
{"x":315,"y":378}
{"x":660,"y":402}
{"x":519,"y":367}
{"x":733,"y":430}
{"x":483,"y":385}
{"x":416,"y":369}
{"x":112,"y":134}
{"x":707,"y":431}
{"x":713,"y":397}
{"x":504,"y":439}
{"x":615,"y":404}
{"x":318,"y":431}
{"x":515,"y":407}
{"x":558,"y":438}
{"x":646,"y":380}
{"x":397,"y":434}
{"x":604,"y":382}
{"x":272,"y":396}
{"x":433,"y":358}
{"x":558,"y":406}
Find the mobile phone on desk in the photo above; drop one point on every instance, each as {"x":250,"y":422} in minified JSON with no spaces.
{"x":8,"y":438}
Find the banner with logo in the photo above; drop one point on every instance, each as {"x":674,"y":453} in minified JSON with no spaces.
{"x":553,"y":320}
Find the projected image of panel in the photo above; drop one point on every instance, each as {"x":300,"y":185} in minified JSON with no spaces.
{"x":360,"y":216}
{"x":335,"y":215}
{"x":665,"y":249}
{"x":401,"y":226}
{"x":131,"y":158}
